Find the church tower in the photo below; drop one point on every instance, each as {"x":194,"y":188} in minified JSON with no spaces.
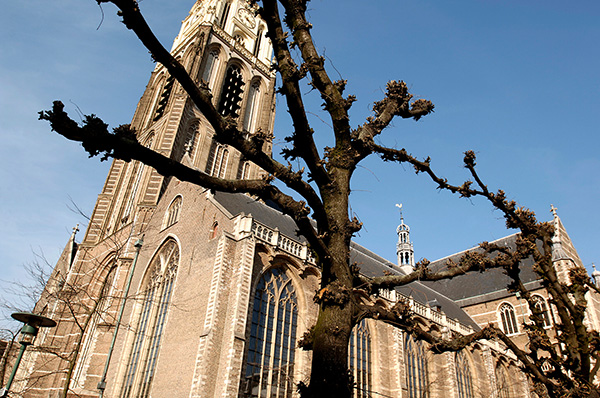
{"x":222,"y":44}
{"x":404,"y":247}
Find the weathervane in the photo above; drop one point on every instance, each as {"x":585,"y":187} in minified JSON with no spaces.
{"x":399,"y":206}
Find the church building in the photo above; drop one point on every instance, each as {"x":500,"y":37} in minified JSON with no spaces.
{"x":179,"y":291}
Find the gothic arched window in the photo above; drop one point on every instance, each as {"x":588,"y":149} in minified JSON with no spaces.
{"x":172,"y":215}
{"x":508,"y":318}
{"x":540,"y":305}
{"x":415,"y":362}
{"x":270,"y":357}
{"x":243,"y":170}
{"x":138,"y":169}
{"x":192,"y":140}
{"x":251,"y":108}
{"x":231,"y":94}
{"x":164,"y":98}
{"x":464,"y":381}
{"x":360,"y":359}
{"x":157,"y":291}
{"x":217,"y":160}
{"x":212,"y":62}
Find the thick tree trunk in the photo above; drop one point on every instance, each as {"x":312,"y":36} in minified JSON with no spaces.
{"x":330,"y":376}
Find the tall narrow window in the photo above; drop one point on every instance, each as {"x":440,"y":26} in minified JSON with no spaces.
{"x":359,"y":360}
{"x":157,"y":297}
{"x":270,"y":358}
{"x":217,"y":160}
{"x":139,"y":167}
{"x":208,"y":73}
{"x":172,"y":215}
{"x":231,"y":94}
{"x":256,"y":49}
{"x":540,"y":305}
{"x":192,"y":141}
{"x":464,"y":381}
{"x":224,"y":15}
{"x":509,"y":321}
{"x":164,"y":98}
{"x":243,"y":170}
{"x":250,"y":114}
{"x":415,"y":362}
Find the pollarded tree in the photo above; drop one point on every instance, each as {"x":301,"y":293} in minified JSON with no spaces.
{"x":323,"y":181}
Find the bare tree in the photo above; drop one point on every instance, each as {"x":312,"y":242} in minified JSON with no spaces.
{"x":78,"y":302}
{"x":322,"y":179}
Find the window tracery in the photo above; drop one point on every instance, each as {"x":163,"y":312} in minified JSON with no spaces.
{"x":415,"y":362}
{"x":359,"y":360}
{"x":250,"y":114}
{"x":542,"y":306}
{"x":508,"y":318}
{"x":464,"y":380}
{"x":191,"y":141}
{"x":212,"y":63}
{"x":231,"y":93}
{"x":270,"y":354}
{"x":217,"y":160}
{"x":172,"y":215}
{"x":157,"y":291}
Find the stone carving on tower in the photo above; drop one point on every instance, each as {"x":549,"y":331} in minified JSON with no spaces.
{"x":404,"y":247}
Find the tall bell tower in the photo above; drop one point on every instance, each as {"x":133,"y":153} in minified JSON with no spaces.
{"x":404,"y":247}
{"x":222,"y":44}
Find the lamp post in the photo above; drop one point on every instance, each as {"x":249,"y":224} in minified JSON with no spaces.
{"x":32,"y":324}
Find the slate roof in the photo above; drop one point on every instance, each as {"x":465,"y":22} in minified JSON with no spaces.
{"x":479,"y":286}
{"x":269,"y":215}
{"x":371,"y":264}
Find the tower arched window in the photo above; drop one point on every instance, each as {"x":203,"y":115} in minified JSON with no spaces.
{"x":217,"y":160}
{"x":212,"y":62}
{"x":172,"y":215}
{"x":269,"y":368}
{"x":224,"y":14}
{"x":257,"y":42}
{"x":542,"y":306}
{"x":415,"y":362}
{"x":139,"y":168}
{"x":231,"y":94}
{"x":464,"y":380}
{"x":164,"y":98}
{"x":508,"y":319}
{"x":157,"y":291}
{"x":192,"y":140}
{"x":243,"y":170}
{"x":250,"y":114}
{"x":360,"y":359}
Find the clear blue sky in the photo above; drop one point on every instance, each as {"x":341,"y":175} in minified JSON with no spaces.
{"x":516,"y":81}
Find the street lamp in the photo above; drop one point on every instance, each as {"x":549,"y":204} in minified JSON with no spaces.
{"x":32,"y":324}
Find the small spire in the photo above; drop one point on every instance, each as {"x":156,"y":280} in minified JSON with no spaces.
{"x":553,"y":211}
{"x":399,"y":206}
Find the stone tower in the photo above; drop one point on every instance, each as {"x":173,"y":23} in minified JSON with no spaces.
{"x":404,"y":247}
{"x":223,"y":45}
